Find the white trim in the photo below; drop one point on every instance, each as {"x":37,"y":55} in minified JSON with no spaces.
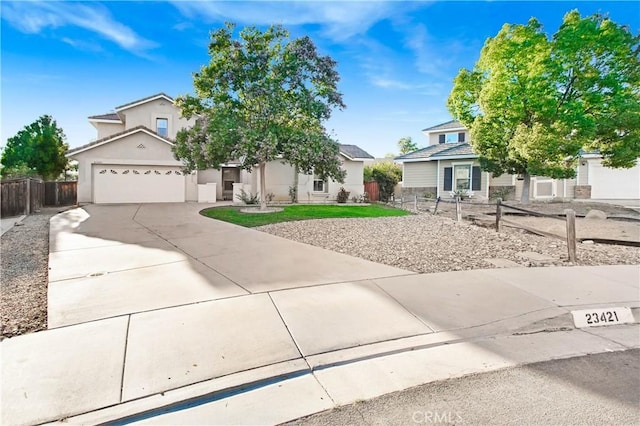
{"x":105,"y":120}
{"x":129,"y":106}
{"x":587,"y":156}
{"x":438,"y":179}
{"x":438,"y":158}
{"x":455,"y":157}
{"x":452,"y":129}
{"x":115,"y":138}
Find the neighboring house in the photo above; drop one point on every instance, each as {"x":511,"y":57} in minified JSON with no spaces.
{"x":132,"y":162}
{"x":448,"y":164}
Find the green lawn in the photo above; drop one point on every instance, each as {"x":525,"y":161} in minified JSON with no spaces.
{"x":299,"y":212}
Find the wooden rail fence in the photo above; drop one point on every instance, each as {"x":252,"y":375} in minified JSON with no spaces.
{"x":570,"y":219}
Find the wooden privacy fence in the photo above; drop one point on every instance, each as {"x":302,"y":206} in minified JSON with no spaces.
{"x":570,"y":216}
{"x":21,"y":196}
{"x":60,"y":193}
{"x":25,"y":196}
{"x":373,"y":190}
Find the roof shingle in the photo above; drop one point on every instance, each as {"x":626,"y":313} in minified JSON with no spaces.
{"x":440,"y":150}
{"x":354,"y":151}
{"x":144,"y":99}
{"x":453,"y":124}
{"x":108,"y":116}
{"x":114,"y":136}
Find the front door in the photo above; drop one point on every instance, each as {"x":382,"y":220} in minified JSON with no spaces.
{"x":230,"y":175}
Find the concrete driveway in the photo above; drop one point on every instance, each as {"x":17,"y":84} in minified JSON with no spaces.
{"x":110,"y":260}
{"x":159,"y":315}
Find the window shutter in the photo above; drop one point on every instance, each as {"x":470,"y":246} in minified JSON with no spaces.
{"x":441,"y":138}
{"x":448,"y":178}
{"x":461,"y":137}
{"x":476,"y":176}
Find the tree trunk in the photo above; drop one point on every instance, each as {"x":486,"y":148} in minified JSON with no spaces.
{"x":526,"y":186}
{"x":263,"y":192}
{"x":296,"y":172}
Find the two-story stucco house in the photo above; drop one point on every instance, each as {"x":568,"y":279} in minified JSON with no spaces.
{"x":448,"y":164}
{"x":132,"y":162}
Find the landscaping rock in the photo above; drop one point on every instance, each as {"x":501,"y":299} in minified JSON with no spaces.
{"x":426,"y":243}
{"x":596,"y":214}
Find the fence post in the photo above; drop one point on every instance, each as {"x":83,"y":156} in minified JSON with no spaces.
{"x":458,"y":209}
{"x":27,"y":208}
{"x":571,"y":234}
{"x":415,"y":202}
{"x":498,"y":214}
{"x":435,"y":210}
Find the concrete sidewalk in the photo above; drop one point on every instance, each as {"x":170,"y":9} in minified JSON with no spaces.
{"x":160,"y":315}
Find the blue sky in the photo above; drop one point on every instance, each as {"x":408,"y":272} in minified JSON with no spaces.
{"x":396,"y":59}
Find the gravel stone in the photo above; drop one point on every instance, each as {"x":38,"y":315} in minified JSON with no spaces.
{"x":425,"y":243}
{"x":23,"y":285}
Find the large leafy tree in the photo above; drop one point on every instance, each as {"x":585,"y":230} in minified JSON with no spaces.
{"x":532,"y":103}
{"x":262,"y":97}
{"x":406,"y":145}
{"x":38,"y":148}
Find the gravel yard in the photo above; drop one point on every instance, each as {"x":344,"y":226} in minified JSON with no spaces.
{"x":23,"y":287}
{"x":426,"y":243}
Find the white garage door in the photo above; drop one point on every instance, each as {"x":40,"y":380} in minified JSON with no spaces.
{"x":609,"y":183}
{"x":137,"y":184}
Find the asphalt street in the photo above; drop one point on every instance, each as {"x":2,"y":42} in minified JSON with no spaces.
{"x":594,"y":389}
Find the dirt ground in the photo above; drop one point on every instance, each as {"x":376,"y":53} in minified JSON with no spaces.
{"x":621,"y":223}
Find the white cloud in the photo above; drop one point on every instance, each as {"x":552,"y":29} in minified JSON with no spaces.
{"x":33,"y":17}
{"x":338,"y":20}
{"x":429,"y":59}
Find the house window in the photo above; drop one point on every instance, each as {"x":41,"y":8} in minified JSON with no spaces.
{"x":162,"y":126}
{"x":319,"y":185}
{"x":462,"y":177}
{"x":451,"y":137}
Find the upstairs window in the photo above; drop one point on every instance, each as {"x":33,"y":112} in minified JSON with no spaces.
{"x":162,"y":126}
{"x":451,"y":137}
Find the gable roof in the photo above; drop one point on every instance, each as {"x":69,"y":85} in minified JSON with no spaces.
{"x":439,"y":152}
{"x":110,"y":116}
{"x":116,"y":136}
{"x":151,"y":98}
{"x":354,"y":152}
{"x":453,"y":124}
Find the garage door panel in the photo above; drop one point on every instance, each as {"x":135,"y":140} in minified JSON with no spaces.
{"x":607,"y":183}
{"x":137,"y":184}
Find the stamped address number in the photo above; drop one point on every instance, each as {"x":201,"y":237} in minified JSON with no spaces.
{"x":600,"y":317}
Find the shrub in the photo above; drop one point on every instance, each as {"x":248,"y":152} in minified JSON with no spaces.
{"x":248,"y":198}
{"x":343,"y":196}
{"x":293,"y":194}
{"x":387,"y":175}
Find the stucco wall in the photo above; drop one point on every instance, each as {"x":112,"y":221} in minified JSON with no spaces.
{"x":279,"y":177}
{"x":211,"y":176}
{"x":121,"y":151}
{"x":583,"y":173}
{"x":108,"y":129}
{"x":147,"y":113}
{"x":502,"y":180}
